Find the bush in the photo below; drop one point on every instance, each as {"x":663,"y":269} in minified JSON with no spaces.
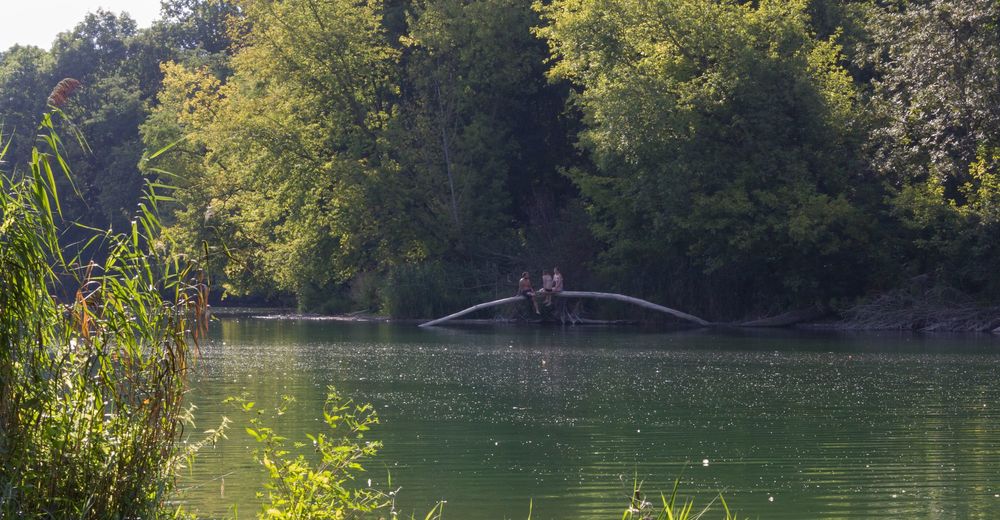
{"x":421,"y":291}
{"x":330,"y":298}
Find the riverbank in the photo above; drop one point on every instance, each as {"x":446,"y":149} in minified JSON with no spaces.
{"x":879,"y":315}
{"x":920,"y":306}
{"x":288,"y":313}
{"x":284,"y":313}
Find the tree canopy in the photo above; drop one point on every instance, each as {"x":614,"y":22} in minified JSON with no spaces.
{"x":730,"y":158}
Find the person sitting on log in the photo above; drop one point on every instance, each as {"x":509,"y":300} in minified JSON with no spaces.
{"x":524,"y":289}
{"x":547,"y":287}
{"x":557,"y":287}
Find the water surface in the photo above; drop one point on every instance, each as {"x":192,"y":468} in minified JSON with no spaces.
{"x":792,"y":425}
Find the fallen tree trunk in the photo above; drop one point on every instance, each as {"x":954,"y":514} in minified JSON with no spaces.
{"x":474,"y":308}
{"x":788,"y":318}
{"x":634,"y":301}
{"x":576,"y":294}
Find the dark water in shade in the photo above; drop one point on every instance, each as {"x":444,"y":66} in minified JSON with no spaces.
{"x":794,"y":426}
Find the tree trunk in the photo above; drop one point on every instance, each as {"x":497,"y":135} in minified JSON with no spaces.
{"x":575,"y":294}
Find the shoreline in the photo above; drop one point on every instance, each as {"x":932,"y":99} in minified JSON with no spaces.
{"x":843,"y":325}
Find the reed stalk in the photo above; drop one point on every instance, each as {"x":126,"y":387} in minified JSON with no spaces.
{"x":93,"y":354}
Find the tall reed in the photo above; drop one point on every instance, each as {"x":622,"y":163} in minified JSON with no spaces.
{"x":91,"y":383}
{"x":672,"y":507}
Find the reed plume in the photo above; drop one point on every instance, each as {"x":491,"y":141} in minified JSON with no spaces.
{"x":63,"y":90}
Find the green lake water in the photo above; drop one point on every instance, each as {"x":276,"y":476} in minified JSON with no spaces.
{"x":490,"y":419}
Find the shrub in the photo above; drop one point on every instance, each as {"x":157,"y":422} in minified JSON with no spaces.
{"x":419,"y":291}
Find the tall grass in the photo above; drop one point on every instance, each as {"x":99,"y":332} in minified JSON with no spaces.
{"x":91,"y":383}
{"x":672,"y":507}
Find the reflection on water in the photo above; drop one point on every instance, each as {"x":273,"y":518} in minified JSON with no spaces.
{"x":490,"y":418}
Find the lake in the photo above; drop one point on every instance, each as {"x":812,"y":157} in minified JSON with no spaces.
{"x":492,"y":418}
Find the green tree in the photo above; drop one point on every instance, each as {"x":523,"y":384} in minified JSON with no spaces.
{"x":118,"y":66}
{"x":725,"y":142}
{"x":478,"y":140}
{"x":199,"y":25}
{"x":25,"y":81}
{"x":295,"y":134}
{"x":937,"y":93}
{"x":471,"y":72}
{"x":106,"y":109}
{"x":198,"y":218}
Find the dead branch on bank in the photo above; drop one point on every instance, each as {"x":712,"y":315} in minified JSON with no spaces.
{"x":934,"y":309}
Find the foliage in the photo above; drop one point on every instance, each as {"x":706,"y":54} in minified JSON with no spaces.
{"x":91,"y":377}
{"x":936,"y":87}
{"x":339,"y":150}
{"x":723,"y":138}
{"x":119,"y":67}
{"x":25,"y":80}
{"x":473,"y":73}
{"x":937,"y":93}
{"x":426,"y":289}
{"x":731,"y":158}
{"x":298,"y":489}
{"x":289,"y":145}
{"x":197,"y":216}
{"x":199,"y":26}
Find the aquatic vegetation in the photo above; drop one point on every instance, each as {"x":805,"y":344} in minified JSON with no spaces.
{"x":642,"y":507}
{"x":93,"y":355}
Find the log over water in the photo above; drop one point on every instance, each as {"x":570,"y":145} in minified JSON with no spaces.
{"x":575,"y":294}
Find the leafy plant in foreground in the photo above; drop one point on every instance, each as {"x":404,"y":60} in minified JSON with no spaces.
{"x":93,"y":357}
{"x":298,"y":489}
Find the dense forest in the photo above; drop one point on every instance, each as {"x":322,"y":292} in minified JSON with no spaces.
{"x":732,"y":159}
